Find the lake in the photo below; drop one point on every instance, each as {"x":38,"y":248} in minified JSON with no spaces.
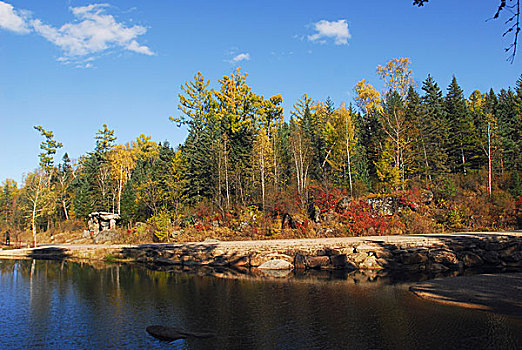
{"x":69,"y":305}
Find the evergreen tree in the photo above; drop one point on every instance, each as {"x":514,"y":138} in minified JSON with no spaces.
{"x":104,"y":139}
{"x":509,"y":128}
{"x":417,"y":162}
{"x":63,"y":179}
{"x":434,"y":129}
{"x":461,"y":130}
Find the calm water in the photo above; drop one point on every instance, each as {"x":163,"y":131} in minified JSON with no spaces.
{"x":66,"y":305}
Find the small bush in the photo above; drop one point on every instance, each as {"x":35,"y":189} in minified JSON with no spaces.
{"x":161,"y":224}
{"x":415,"y":223}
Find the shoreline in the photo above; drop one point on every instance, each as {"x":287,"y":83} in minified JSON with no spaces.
{"x":496,"y":293}
{"x":427,"y":252}
{"x":451,"y":267}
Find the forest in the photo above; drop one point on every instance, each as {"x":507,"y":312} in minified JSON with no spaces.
{"x":408,"y":159}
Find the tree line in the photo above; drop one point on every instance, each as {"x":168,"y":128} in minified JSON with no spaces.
{"x":241,"y":152}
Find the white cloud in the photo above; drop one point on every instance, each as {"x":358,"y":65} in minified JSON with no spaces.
{"x":134,"y":46}
{"x":240,"y":57}
{"x":93,"y":32}
{"x":337,"y":30}
{"x":13,"y":20}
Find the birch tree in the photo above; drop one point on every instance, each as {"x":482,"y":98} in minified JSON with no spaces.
{"x":121,"y":159}
{"x":300,"y":146}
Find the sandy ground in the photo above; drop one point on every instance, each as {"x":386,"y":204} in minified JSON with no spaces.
{"x":498,"y":293}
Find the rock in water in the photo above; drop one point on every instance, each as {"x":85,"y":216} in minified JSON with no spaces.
{"x":276,"y":264}
{"x":171,"y":333}
{"x":165,"y":333}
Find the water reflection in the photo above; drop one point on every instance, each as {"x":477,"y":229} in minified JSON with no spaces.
{"x":49,"y":305}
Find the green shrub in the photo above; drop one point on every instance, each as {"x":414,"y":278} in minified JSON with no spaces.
{"x":161,"y":223}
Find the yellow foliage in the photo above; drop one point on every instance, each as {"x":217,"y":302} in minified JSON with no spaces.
{"x":476,"y":102}
{"x":397,"y":75}
{"x":237,"y":102}
{"x":387,"y":172}
{"x":367,"y":98}
{"x":144,"y":148}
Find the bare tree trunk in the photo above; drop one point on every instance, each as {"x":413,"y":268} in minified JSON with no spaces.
{"x":263,"y":177}
{"x":120,"y":187}
{"x":65,"y":209}
{"x":463,"y":159}
{"x":489,"y":158}
{"x":403,"y":176}
{"x":35,"y":206}
{"x":33,"y":221}
{"x":275,"y":164}
{"x":220,"y":198}
{"x":226,"y":176}
{"x":349,"y":160}
{"x":428,"y":175}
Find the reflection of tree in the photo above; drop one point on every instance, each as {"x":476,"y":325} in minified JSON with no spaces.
{"x":512,"y":8}
{"x":79,"y":306}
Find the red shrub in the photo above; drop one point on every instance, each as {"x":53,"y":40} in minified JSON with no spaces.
{"x":361,"y":221}
{"x":325,"y":198}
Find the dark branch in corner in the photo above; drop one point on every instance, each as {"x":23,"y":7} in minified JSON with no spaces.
{"x":512,"y":22}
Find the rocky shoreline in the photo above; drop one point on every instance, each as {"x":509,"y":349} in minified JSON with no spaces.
{"x":411,"y":253}
{"x":417,"y":253}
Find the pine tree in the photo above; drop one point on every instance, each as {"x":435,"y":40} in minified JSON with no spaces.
{"x":63,"y":180}
{"x":434,"y":129}
{"x":461,"y":131}
{"x":416,"y":163}
{"x":200,"y":154}
{"x":104,"y":139}
{"x":509,"y":128}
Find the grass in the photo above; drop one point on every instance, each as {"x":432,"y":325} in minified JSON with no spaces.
{"x":110,"y":259}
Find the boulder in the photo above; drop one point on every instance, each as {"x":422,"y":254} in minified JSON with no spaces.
{"x":426,"y":196}
{"x":366,"y":248}
{"x":287,"y":222}
{"x":260,"y":259}
{"x":513,"y":258}
{"x":338,"y":261}
{"x":443,"y":256}
{"x":106,"y":236}
{"x":437,"y":267}
{"x":276,"y":264}
{"x":491,"y":257}
{"x":471,"y":259}
{"x":414,"y":258}
{"x":314,"y":213}
{"x":389,"y":205}
{"x":383,"y":205}
{"x":240,"y":261}
{"x":314,"y":262}
{"x":508,"y":251}
{"x":358,"y":258}
{"x":171,"y":333}
{"x":276,"y":273}
{"x":300,"y":262}
{"x":495,"y":245}
{"x":371,"y":263}
{"x":343,"y":204}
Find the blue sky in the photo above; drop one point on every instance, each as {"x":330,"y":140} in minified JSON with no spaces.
{"x":72,"y":65}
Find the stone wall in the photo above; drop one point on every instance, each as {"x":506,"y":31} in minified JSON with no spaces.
{"x":414,"y":253}
{"x":410,"y":253}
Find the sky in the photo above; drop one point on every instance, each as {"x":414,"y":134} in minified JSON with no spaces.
{"x":72,"y":66}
